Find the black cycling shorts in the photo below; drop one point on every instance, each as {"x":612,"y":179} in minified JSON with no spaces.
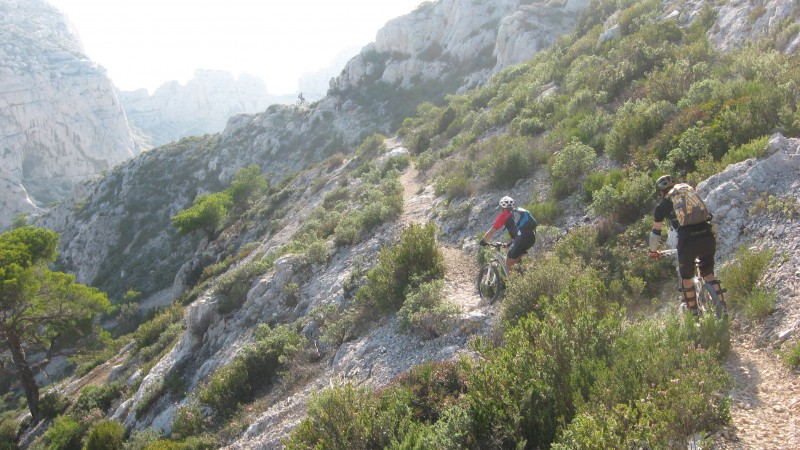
{"x":521,"y":245}
{"x":702,"y":246}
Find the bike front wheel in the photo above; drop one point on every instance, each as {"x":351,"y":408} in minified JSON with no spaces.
{"x":490,"y":285}
{"x":711,"y":302}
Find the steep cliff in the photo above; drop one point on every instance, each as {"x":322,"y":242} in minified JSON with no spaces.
{"x":60,"y":119}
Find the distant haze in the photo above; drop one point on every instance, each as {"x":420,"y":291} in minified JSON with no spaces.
{"x":145,"y":43}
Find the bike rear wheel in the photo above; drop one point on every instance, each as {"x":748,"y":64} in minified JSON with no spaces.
{"x":710,"y":302}
{"x":490,"y":284}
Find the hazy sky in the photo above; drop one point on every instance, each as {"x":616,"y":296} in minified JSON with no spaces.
{"x":144,"y":43}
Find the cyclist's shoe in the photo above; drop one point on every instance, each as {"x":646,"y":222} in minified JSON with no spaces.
{"x":685,"y":308}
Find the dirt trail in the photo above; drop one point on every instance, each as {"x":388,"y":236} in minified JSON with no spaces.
{"x":461,"y":268}
{"x":766,"y":399}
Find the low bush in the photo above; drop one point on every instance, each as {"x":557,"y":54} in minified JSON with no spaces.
{"x":741,"y":276}
{"x":426,"y":311}
{"x":148,"y":333}
{"x":252,"y":370}
{"x":105,"y":435}
{"x":414,"y":260}
{"x":65,"y":433}
{"x":52,"y":404}
{"x":318,"y":252}
{"x":188,"y":421}
{"x":791,"y":355}
{"x":545,"y":212}
{"x":233,"y":286}
{"x":759,"y":304}
{"x":97,"y":397}
{"x":348,"y":417}
{"x":507,"y":161}
{"x":569,"y":166}
{"x":8,"y":430}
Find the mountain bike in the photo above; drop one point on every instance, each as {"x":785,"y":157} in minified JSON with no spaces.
{"x":491,"y":278}
{"x":705,"y":295}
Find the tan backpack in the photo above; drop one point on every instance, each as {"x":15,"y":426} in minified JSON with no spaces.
{"x":689,"y":207}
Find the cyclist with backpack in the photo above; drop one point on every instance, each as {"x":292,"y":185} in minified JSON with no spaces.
{"x":686,"y":213}
{"x":521,"y":225}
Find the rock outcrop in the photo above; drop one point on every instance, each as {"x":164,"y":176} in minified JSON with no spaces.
{"x":60,"y":119}
{"x":203,"y":105}
{"x":472,"y":39}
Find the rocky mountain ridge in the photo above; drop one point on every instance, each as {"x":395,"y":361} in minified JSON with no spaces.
{"x":60,"y":119}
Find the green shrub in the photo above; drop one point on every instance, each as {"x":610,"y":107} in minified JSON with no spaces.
{"x":233,"y":286}
{"x":52,"y":404}
{"x":545,"y":212}
{"x":142,"y":439}
{"x":97,"y":397}
{"x":341,"y":194}
{"x":149,"y":332}
{"x":741,"y":276}
{"x":414,"y":260}
{"x":348,"y":231}
{"x":759,"y":304}
{"x":569,"y":166}
{"x":753,"y":149}
{"x":507,"y":160}
{"x":426,"y":311}
{"x":227,"y":389}
{"x":626,"y":201}
{"x":791,"y":355}
{"x":434,"y":386}
{"x":542,"y":280}
{"x":635,"y":123}
{"x":188,"y":421}
{"x":597,"y":180}
{"x":8,"y":430}
{"x":318,"y":252}
{"x":206,"y":214}
{"x":371,"y":147}
{"x":347,"y":417}
{"x":247,"y":185}
{"x":425,"y":160}
{"x":65,"y":433}
{"x":337,"y":327}
{"x":105,"y":435}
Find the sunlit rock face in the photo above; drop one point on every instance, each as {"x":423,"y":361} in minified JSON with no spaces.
{"x":60,"y":119}
{"x":479,"y":38}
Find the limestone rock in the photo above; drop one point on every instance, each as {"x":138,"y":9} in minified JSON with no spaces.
{"x":60,"y":119}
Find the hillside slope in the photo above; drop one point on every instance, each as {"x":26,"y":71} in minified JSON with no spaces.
{"x":577,"y":135}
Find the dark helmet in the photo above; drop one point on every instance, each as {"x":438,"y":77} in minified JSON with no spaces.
{"x":664,"y":182}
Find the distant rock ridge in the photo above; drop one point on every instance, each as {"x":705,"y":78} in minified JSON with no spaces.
{"x":203,"y":105}
{"x":60,"y":119}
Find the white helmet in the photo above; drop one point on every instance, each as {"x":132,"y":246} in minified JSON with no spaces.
{"x":506,"y":202}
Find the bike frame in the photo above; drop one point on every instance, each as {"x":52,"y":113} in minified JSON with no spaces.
{"x":493,"y":273}
{"x":701,"y":287}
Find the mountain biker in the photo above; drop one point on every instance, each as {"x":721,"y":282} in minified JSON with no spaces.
{"x":520,"y":225}
{"x":694,"y":241}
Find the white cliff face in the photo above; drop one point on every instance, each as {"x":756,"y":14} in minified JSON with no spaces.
{"x":203,"y":105}
{"x":740,"y":22}
{"x":490,"y":35}
{"x":60,"y":120}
